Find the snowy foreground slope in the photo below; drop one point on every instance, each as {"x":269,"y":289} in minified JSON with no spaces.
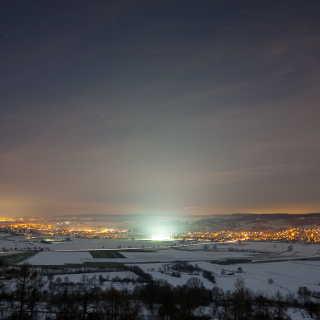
{"x":267,"y":278}
{"x":263,"y":267}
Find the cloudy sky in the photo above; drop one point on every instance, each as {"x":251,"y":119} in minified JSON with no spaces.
{"x":190,"y":107}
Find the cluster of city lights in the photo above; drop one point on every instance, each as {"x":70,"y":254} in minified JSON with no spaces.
{"x":61,"y":230}
{"x":157,"y":232}
{"x":311,"y":234}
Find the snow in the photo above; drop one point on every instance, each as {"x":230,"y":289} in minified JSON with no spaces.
{"x":153,"y":270}
{"x":93,"y":279}
{"x":298,"y":314}
{"x":254,"y":250}
{"x":277,"y":248}
{"x":181,"y":255}
{"x":65,"y":257}
{"x":59,"y":258}
{"x":287,"y":276}
{"x":78,"y":277}
{"x":20,"y":242}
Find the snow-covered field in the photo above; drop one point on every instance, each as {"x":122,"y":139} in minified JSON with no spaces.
{"x":268,"y":278}
{"x":67,"y":257}
{"x":213,"y":252}
{"x":180,"y":255}
{"x":59,"y":258}
{"x":19,"y":242}
{"x":278,"y":249}
{"x":154,"y":270}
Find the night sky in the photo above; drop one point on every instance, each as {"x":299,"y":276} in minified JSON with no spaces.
{"x":159,"y":107}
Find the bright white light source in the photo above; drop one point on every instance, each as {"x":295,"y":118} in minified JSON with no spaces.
{"x":160,"y":237}
{"x":160,"y":234}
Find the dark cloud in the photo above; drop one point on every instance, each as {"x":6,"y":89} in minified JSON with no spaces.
{"x":143,"y":107}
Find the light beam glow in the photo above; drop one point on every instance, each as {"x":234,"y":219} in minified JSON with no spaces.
{"x":160,"y":234}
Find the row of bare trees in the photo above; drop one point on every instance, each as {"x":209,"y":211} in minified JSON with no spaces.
{"x":31,"y":299}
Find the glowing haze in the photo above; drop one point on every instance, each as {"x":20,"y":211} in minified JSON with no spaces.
{"x":159,"y":107}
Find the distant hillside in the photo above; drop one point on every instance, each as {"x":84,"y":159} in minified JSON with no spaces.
{"x":243,"y":221}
